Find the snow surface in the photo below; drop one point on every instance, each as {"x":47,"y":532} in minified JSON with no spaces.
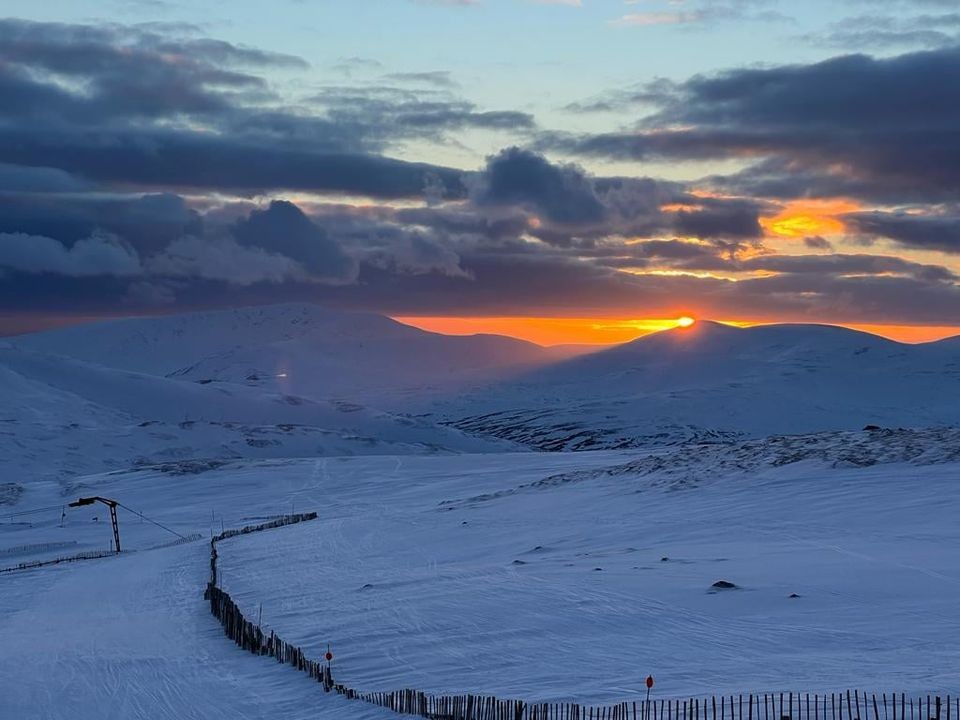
{"x":554,"y":587}
{"x":449,"y":557}
{"x":715,"y":381}
{"x":479,"y":573}
{"x":299,"y":349}
{"x":122,"y":393}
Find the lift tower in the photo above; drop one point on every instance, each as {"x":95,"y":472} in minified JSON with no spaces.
{"x":112,"y":504}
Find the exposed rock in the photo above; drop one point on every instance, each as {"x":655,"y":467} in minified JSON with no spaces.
{"x":724,"y":585}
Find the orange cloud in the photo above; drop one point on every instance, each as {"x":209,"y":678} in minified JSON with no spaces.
{"x":805,"y":218}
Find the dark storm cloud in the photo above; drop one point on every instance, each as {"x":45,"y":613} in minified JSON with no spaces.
{"x":95,"y":256}
{"x":23,"y":179}
{"x":923,"y":232}
{"x":568,"y":202}
{"x":283,"y":229}
{"x":148,"y":223}
{"x":562,"y":194}
{"x":785,"y":179}
{"x":166,"y":248}
{"x":125,"y":72}
{"x":879,"y":122}
{"x":438,"y":274}
{"x":95,"y":217}
{"x":729,"y":219}
{"x":165,"y":159}
{"x":838,"y":264}
{"x":127,"y":107}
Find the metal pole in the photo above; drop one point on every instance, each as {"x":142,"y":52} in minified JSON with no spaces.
{"x":116,"y":527}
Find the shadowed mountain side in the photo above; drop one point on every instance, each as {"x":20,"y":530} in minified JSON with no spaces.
{"x":296,"y":348}
{"x":714,"y":381}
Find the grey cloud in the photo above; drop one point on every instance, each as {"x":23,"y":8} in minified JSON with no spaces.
{"x":379,"y":111}
{"x":221,"y":258}
{"x":890,"y":31}
{"x":840,"y":264}
{"x":437,"y":78}
{"x":148,"y":223}
{"x":562,"y":194}
{"x":545,"y":283}
{"x":26,"y":179}
{"x":888,"y":122}
{"x":283,"y":229}
{"x":416,"y":254}
{"x":169,"y":112}
{"x":920,"y":231}
{"x":182,"y":160}
{"x":816,"y":242}
{"x":731,"y":219}
{"x":93,"y":256}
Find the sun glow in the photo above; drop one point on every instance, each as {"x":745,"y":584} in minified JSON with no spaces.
{"x":611,"y":330}
{"x":805,"y":218}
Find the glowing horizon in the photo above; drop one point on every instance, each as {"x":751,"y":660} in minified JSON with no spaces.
{"x":553,"y":331}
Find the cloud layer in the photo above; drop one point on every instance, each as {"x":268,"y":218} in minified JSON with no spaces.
{"x":145,"y":168}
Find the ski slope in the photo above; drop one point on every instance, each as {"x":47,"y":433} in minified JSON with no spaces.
{"x":539,"y":575}
{"x":129,"y":638}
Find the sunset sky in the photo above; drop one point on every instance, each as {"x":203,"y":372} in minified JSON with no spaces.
{"x":567,"y":171}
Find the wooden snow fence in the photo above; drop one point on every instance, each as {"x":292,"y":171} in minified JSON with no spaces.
{"x":31,"y":564}
{"x":847,"y":705}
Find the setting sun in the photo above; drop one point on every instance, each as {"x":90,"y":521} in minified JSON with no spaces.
{"x":685,"y":322}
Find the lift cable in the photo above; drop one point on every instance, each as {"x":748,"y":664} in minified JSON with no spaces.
{"x":144,"y":517}
{"x":32,"y":511}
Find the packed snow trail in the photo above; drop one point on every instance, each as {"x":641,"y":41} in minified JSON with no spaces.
{"x":131,"y":637}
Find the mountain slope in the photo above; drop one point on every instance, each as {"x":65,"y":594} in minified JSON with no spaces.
{"x":296,"y":348}
{"x":715,"y":381}
{"x":62,"y":417}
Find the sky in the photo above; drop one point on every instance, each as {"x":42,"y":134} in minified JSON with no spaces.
{"x":556,"y":170}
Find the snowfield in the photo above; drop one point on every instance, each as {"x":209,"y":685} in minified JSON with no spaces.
{"x":452,"y":554}
{"x":574,"y":585}
{"x":535,"y":575}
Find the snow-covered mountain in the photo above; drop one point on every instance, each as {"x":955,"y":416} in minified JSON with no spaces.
{"x":300,"y":349}
{"x":714,"y":381}
{"x":277,"y":381}
{"x":62,"y":417}
{"x":301,"y":380}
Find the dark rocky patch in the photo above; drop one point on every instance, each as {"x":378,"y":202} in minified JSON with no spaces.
{"x":724,"y":585}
